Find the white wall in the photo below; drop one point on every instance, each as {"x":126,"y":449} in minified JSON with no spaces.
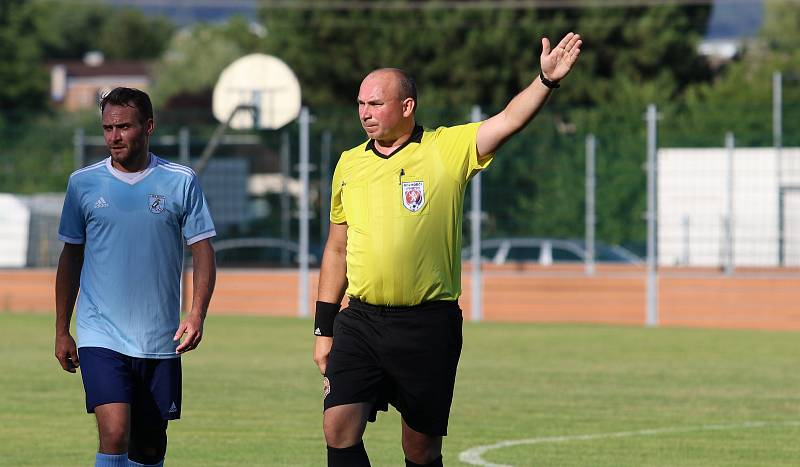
{"x":693,"y":205}
{"x":14,"y":223}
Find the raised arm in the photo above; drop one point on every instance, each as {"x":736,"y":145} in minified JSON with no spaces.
{"x":68,"y":277}
{"x":332,"y":284}
{"x":555,"y":65}
{"x":204,"y":276}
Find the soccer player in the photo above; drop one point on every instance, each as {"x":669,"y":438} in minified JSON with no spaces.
{"x":394,"y":248}
{"x":124,"y":222}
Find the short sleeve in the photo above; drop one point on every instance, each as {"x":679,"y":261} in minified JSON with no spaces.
{"x":458,"y":149}
{"x":72,"y":226}
{"x":337,"y":209}
{"x":197,"y":224}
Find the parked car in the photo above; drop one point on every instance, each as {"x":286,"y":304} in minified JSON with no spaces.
{"x":546,"y":251}
{"x":261,"y":252}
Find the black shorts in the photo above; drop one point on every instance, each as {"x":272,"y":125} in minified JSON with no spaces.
{"x":406,"y":357}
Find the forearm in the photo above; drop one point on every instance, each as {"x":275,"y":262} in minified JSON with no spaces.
{"x":332,"y":276}
{"x":68,"y":277}
{"x":524,"y":106}
{"x":521,"y":110}
{"x":204,"y":276}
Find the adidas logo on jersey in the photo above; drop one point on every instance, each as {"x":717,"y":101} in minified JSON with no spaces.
{"x":317,"y":332}
{"x":101,"y":203}
{"x":173,"y":409}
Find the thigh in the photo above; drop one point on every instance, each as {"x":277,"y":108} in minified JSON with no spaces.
{"x":422,"y":360}
{"x":107,"y":377}
{"x":158,"y":390}
{"x":353,"y":374}
{"x":344,"y":425}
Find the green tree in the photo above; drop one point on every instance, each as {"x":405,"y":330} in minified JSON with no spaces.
{"x":196,"y":56}
{"x":129,"y":34}
{"x":462,"y":57}
{"x":23,"y":81}
{"x":740,"y":99}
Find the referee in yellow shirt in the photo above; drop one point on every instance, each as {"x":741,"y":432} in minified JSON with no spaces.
{"x":394,"y":247}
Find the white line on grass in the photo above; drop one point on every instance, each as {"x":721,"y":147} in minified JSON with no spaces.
{"x":474,"y":455}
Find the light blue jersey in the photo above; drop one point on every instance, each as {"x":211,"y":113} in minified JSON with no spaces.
{"x":133,"y":227}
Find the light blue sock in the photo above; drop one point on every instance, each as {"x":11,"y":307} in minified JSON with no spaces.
{"x":136,"y":464}
{"x":111,"y":460}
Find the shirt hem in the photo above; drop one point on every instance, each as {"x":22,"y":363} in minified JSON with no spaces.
{"x":72,"y":240}
{"x":202,"y":236}
{"x":128,"y":352}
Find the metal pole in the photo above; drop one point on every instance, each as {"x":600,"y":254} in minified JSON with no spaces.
{"x":652,"y":206}
{"x":590,"y":206}
{"x":475,"y":236}
{"x":325,"y":186}
{"x":777,"y":141}
{"x":183,"y":145}
{"x":79,"y":142}
{"x":686,"y":256}
{"x":305,"y":122}
{"x":729,"y":224}
{"x":286,"y":215}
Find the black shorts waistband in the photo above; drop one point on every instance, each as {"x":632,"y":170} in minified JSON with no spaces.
{"x":424,"y":306}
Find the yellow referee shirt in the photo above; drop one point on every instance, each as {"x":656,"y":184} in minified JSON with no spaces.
{"x":404,"y":214}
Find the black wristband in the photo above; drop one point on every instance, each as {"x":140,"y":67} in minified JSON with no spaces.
{"x":547,"y":82}
{"x":323,"y":319}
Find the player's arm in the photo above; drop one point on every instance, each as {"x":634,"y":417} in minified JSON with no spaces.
{"x":68,"y":278}
{"x":204,"y":276}
{"x":555,"y":64}
{"x":332,"y":284}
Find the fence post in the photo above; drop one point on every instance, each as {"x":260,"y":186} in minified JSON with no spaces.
{"x":79,"y":142}
{"x":777,"y":141}
{"x":286,"y":214}
{"x":303,"y":289}
{"x":729,"y":217}
{"x":652,"y":213}
{"x":475,"y":236}
{"x":590,"y":204}
{"x":324,"y":186}
{"x":183,"y":146}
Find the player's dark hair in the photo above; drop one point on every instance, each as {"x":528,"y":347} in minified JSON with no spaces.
{"x":129,"y":97}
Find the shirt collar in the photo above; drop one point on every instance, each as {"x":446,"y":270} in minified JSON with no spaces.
{"x":416,"y":137}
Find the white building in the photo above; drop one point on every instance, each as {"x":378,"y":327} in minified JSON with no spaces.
{"x":703,"y":191}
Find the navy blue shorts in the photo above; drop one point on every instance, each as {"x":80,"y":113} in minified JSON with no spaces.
{"x":151,"y":386}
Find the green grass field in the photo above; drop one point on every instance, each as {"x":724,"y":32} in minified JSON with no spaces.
{"x":252,"y":396}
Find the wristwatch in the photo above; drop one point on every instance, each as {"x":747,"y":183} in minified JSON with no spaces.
{"x":547,"y":82}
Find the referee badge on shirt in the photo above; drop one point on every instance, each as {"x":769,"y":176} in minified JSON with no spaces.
{"x":414,"y":195}
{"x":156,"y":203}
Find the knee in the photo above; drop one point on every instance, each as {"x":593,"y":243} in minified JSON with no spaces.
{"x":148,"y":445}
{"x":422,"y":450}
{"x":338,"y":434}
{"x":343,"y":426}
{"x":113,"y":439}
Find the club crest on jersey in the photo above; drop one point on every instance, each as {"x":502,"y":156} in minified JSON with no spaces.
{"x":156,"y":203}
{"x":413,"y":195}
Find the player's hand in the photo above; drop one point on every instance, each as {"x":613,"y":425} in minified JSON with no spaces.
{"x":322,"y":348}
{"x":557,"y":62}
{"x":67,"y":352}
{"x":192,"y":326}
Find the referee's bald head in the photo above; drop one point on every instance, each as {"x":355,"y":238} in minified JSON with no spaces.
{"x":405,"y":85}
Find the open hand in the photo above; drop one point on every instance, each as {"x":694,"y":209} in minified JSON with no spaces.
{"x":557,"y":62}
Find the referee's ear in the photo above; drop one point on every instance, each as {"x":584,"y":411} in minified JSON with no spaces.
{"x":409,"y":106}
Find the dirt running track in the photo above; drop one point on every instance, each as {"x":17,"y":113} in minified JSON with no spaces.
{"x":614,"y":295}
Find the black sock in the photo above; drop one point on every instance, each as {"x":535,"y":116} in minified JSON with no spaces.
{"x":354,"y":456}
{"x":435,"y":463}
